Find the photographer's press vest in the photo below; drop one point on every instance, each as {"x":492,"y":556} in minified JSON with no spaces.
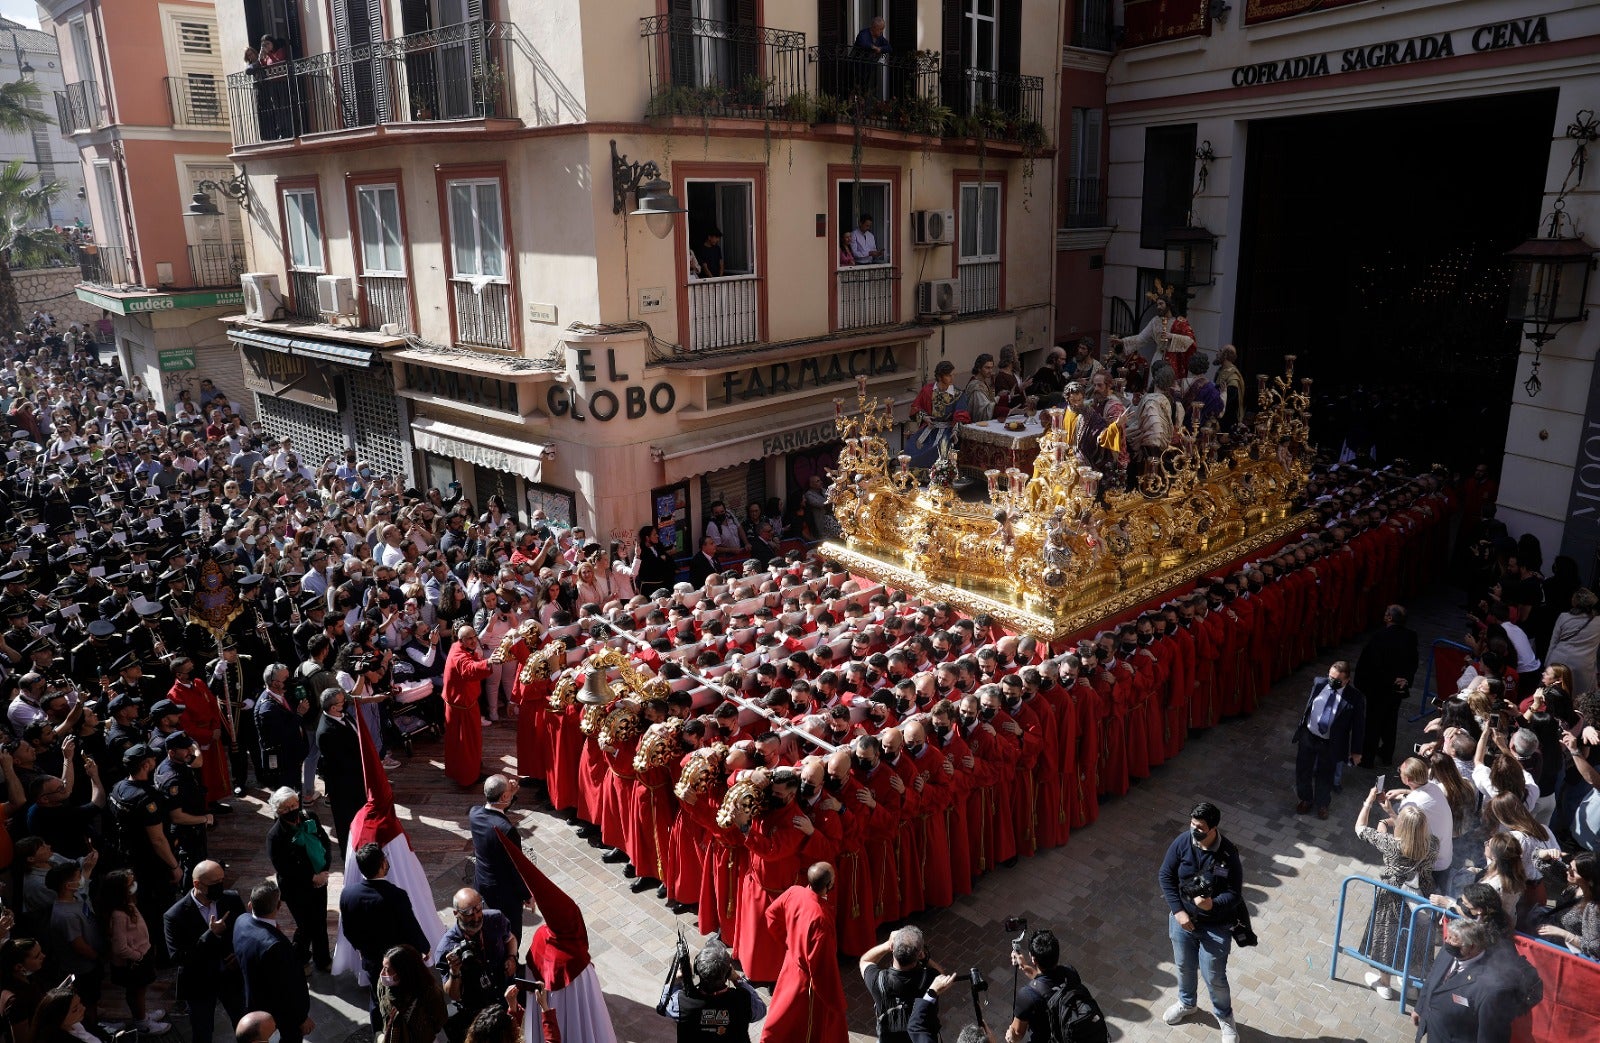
{"x":716,"y":1018}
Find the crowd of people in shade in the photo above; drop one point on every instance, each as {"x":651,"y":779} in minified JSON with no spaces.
{"x":945,"y":747}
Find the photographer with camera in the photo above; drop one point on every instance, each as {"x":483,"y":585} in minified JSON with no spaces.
{"x":1054,"y":1007}
{"x":720,"y":1006}
{"x":1203,"y":883}
{"x":478,"y":957}
{"x":896,"y":989}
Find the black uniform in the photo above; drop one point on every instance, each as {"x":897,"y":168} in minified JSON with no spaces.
{"x":182,"y":788}
{"x":135,"y":806}
{"x":119,"y":740}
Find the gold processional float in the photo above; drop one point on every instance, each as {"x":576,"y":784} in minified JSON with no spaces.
{"x":1052,"y":553}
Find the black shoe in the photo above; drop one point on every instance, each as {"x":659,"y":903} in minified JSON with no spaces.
{"x":219,"y":808}
{"x":629,"y":872}
{"x":643,"y":884}
{"x":1008,"y":863}
{"x":614,"y":855}
{"x":661,"y":892}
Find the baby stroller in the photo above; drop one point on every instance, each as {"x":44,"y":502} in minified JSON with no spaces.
{"x":416,"y":708}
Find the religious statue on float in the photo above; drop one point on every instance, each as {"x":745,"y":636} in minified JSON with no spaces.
{"x":940,"y":410}
{"x":1167,"y":336}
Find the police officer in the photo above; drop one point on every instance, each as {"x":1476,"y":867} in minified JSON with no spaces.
{"x":140,"y":813}
{"x":165,"y":716}
{"x":123,"y":735}
{"x":178,"y":781}
{"x":129,"y":677}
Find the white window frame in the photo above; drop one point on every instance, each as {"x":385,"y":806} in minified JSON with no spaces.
{"x":987,"y":217}
{"x":476,"y":183}
{"x":82,"y":50}
{"x":378,"y":191}
{"x":749,"y":186}
{"x":972,"y":17}
{"x":882,"y":223}
{"x":108,"y":230}
{"x":297,"y":234}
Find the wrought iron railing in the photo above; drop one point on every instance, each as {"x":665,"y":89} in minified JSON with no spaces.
{"x":217,"y":264}
{"x":463,"y":71}
{"x":866,"y":295}
{"x":196,"y":100}
{"x":980,"y":286}
{"x":104,"y":265}
{"x":1093,"y":26}
{"x":388,"y":300}
{"x":78,"y":107}
{"x":483,"y":313}
{"x":703,"y":67}
{"x":1085,"y":204}
{"x":302,"y":302}
{"x":1001,"y":106}
{"x":896,"y":91}
{"x":723,"y":312}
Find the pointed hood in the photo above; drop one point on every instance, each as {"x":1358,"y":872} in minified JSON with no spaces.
{"x":376,"y":821}
{"x":560,"y":949}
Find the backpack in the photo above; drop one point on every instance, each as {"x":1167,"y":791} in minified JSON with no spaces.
{"x":1074,"y":1016}
{"x":894,"y":1012}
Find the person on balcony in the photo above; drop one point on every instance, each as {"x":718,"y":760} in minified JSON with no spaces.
{"x":863,"y":244}
{"x":708,"y":256}
{"x":868,"y":52}
{"x":847,"y":257}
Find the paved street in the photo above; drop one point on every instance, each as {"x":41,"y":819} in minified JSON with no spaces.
{"x":1098,"y":892}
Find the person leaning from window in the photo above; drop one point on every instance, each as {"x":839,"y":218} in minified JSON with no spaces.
{"x":720,"y":1006}
{"x":863,"y":244}
{"x":871,"y":43}
{"x":708,"y":256}
{"x":1042,"y":966}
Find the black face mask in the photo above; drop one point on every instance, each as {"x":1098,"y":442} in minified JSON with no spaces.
{"x":963,"y":685}
{"x":802,"y":705}
{"x":905,"y":706}
{"x":1146,"y":638}
{"x":808,"y":791}
{"x":291,"y":817}
{"x":915,"y":748}
{"x":988,"y":712}
{"x":1012,"y":703}
{"x":1451,"y":950}
{"x":862,"y":764}
{"x":215,"y":891}
{"x":1229,"y":595}
{"x":968,"y":720}
{"x":1129,"y":647}
{"x":1335,"y":685}
{"x":1255,"y":587}
{"x":942,"y":689}
{"x":833,"y":785}
{"x":1001,"y":662}
{"x":1199,"y":835}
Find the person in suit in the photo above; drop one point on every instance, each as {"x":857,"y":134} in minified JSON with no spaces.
{"x":339,"y":763}
{"x":255,"y":1027}
{"x":493,"y":875}
{"x":301,"y":856}
{"x":703,"y":563}
{"x":199,"y":933}
{"x":273,"y":981}
{"x":377,"y":916}
{"x":1474,"y":991}
{"x":1330,"y":727}
{"x":283,"y":741}
{"x":1383,"y":674}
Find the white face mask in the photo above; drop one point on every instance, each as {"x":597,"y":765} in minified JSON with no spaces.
{"x":274,"y":1038}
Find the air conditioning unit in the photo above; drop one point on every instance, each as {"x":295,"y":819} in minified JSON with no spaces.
{"x":263,"y":300}
{"x":939,"y":297}
{"x":933,"y":227}
{"x":336,"y":296}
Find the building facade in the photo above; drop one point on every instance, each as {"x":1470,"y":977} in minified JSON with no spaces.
{"x":1363,"y":168}
{"x":490,"y":313}
{"x":144,"y":103}
{"x":43,"y":150}
{"x":1083,"y":224}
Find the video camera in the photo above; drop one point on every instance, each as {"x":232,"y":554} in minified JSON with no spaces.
{"x":1195,"y":887}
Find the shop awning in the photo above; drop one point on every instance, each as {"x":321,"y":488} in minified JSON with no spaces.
{"x":324,"y":350}
{"x":480,"y":363}
{"x":684,"y":456}
{"x":496,"y":452}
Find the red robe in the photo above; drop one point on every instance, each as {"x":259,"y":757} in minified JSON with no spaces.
{"x":618,"y":800}
{"x":654,"y":807}
{"x":808,"y":1000}
{"x":853,"y":896}
{"x":1204,"y":709}
{"x":565,"y":743}
{"x":463,"y":730}
{"x":202,"y":722}
{"x":961,"y":781}
{"x":1154,"y":661}
{"x":1249,"y":647}
{"x":882,"y":834}
{"x":1087,"y":713}
{"x":1113,"y":733}
{"x":1180,"y":690}
{"x":686,"y":845}
{"x":1025,"y":787}
{"x":933,"y":803}
{"x":773,"y":845}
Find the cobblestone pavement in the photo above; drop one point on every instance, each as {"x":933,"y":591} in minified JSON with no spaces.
{"x":1098,"y":892}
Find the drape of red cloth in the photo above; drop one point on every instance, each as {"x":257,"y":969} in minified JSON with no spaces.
{"x":1570,"y":1009}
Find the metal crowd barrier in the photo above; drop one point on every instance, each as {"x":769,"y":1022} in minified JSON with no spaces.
{"x":1432,"y":675}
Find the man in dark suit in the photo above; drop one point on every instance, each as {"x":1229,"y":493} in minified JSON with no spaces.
{"x":339,"y":763}
{"x":377,"y":916}
{"x":493,"y":875}
{"x":273,"y":978}
{"x":283,"y":740}
{"x":704,"y":563}
{"x":199,"y":933}
{"x":1473,"y":993}
{"x":1329,"y":729}
{"x":1383,"y":674}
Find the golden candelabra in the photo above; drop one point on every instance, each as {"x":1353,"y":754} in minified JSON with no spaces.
{"x":1051,"y":552}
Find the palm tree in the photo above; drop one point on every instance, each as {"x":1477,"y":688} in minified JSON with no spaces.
{"x":21,"y":199}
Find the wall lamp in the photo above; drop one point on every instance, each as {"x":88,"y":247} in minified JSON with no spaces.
{"x":653,"y":196}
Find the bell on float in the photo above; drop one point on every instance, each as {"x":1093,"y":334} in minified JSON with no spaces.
{"x":595,"y":690}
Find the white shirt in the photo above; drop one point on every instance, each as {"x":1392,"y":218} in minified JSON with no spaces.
{"x":1480,"y":779}
{"x":1435,"y":807}
{"x":863,"y":245}
{"x":1527,"y":660}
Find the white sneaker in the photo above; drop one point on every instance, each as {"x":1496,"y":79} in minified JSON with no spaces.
{"x":1385,"y":992}
{"x":390,"y":764}
{"x":1177,"y":1012}
{"x":1230,"y":1031}
{"x":1372,"y":978}
{"x":485,"y":721}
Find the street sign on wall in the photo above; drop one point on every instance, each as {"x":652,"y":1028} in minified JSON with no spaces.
{"x":173,"y":359}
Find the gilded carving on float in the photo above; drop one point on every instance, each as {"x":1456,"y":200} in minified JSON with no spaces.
{"x":1051,"y":552}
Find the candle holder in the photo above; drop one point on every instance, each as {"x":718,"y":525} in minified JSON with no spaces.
{"x":993,"y":476}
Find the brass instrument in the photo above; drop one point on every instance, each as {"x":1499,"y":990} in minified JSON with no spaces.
{"x":619,"y":726}
{"x":703,"y":769}
{"x":662,"y":744}
{"x":747,"y":795}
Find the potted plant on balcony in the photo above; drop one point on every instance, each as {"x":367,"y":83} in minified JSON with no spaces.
{"x":800,"y":107}
{"x":751,"y":95}
{"x":491,"y":84}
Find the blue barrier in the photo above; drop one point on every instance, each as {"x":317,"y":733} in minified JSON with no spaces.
{"x":1428,"y":678}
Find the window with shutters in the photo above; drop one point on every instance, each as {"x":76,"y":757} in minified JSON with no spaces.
{"x":1085,"y":188}
{"x":865,"y":277}
{"x":385,"y":291}
{"x":480,"y":290}
{"x":216,"y":245}
{"x":723,"y":256}
{"x":194,"y":67}
{"x":1168,"y":180}
{"x":979,"y":264}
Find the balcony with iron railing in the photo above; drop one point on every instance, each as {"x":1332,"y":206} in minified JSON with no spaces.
{"x":980,"y":286}
{"x":483,"y":313}
{"x":1084,"y":204}
{"x":467,"y":71}
{"x":865,"y":295}
{"x":217,"y":264}
{"x":196,"y":101}
{"x":1000,"y":106}
{"x":78,"y":108}
{"x":102,"y":265}
{"x":302,"y":302}
{"x":1093,"y":25}
{"x":893,"y":92}
{"x":388,"y":301}
{"x":724,"y":312}
{"x":705,"y":68}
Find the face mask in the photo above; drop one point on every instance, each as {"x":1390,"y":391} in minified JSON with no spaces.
{"x":833,"y":785}
{"x":291,"y":816}
{"x":863,"y":764}
{"x":904,"y":705}
{"x":968,"y":720}
{"x":1336,"y":685}
{"x":988,"y":712}
{"x":963,"y":685}
{"x":1199,"y":835}
{"x":1146,"y":638}
{"x":880,"y":719}
{"x":215,"y":891}
{"x":1012,"y":703}
{"x":915,"y":748}
{"x":1452,"y":950}
{"x":942,"y":689}
{"x":808,"y":791}
{"x":388,"y":980}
